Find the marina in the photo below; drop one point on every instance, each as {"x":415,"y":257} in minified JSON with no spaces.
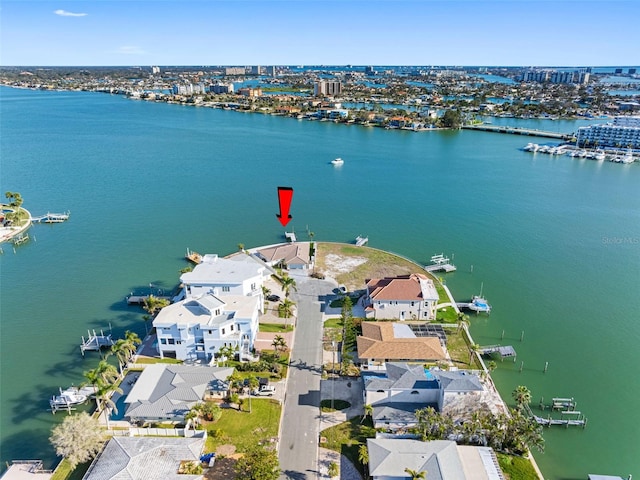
{"x":599,"y":155}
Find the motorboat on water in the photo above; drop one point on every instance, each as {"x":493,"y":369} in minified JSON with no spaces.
{"x":68,"y":398}
{"x":479,"y":304}
{"x":337,"y":161}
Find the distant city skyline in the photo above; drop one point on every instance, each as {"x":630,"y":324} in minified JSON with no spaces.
{"x":310,"y":32}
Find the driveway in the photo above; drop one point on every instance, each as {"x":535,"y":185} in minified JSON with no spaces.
{"x":300,"y":427}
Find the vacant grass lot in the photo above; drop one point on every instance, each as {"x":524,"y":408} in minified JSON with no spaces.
{"x":241,"y":428}
{"x":377,"y":264}
{"x":347,"y":437}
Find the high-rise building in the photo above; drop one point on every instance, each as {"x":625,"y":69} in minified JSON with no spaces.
{"x":155,"y":70}
{"x":327,"y":88}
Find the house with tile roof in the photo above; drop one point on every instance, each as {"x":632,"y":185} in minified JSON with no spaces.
{"x":403,"y":388}
{"x":407,"y":297}
{"x":166,"y":392}
{"x":294,"y":256}
{"x":441,"y":459}
{"x":383,"y":342}
{"x":197,"y":327}
{"x":146,"y":458}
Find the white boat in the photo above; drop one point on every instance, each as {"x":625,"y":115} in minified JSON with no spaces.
{"x":67,"y":398}
{"x":628,"y":158}
{"x":337,"y":161}
{"x":361,"y":241}
{"x":479,"y":304}
{"x":600,"y":156}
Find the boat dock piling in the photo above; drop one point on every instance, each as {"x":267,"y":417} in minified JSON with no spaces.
{"x":193,"y":257}
{"x":568,"y":414}
{"x":440,"y":263}
{"x":95,"y":342}
{"x":51,"y":218}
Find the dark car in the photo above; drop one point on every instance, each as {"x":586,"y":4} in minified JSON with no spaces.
{"x":273,"y":298}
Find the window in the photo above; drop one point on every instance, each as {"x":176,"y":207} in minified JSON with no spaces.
{"x":172,"y":341}
{"x":231,"y":328}
{"x":163,"y":341}
{"x":415,"y":392}
{"x":223,"y":333}
{"x":178,"y":342}
{"x":412,"y":304}
{"x":226,"y":289}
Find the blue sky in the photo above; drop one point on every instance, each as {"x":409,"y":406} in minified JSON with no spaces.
{"x":309,"y":32}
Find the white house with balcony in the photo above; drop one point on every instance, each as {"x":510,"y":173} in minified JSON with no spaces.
{"x":196,"y":328}
{"x":240,"y":274}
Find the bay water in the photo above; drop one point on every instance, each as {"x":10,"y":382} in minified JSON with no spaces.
{"x":553,"y":242}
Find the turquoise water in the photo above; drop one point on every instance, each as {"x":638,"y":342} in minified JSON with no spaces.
{"x":554,"y":242}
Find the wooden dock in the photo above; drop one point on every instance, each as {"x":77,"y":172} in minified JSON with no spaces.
{"x":95,"y":342}
{"x":506,"y":351}
{"x":140,"y":299}
{"x":193,"y":257}
{"x":519,"y":131}
{"x":569,"y":416}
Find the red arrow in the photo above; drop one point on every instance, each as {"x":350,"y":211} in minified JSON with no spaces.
{"x":285,"y":194}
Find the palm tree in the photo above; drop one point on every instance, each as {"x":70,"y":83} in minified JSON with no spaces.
{"x":286,"y":309}
{"x":368,"y":412}
{"x":522,"y":396}
{"x":153,"y":304}
{"x":121,"y":351}
{"x":363,"y":458}
{"x":288,"y":283}
{"x":463,"y":320}
{"x":415,"y":474}
{"x":279,"y":343}
{"x":103,"y":399}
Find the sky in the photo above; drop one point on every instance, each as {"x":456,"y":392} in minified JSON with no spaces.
{"x":311,"y":32}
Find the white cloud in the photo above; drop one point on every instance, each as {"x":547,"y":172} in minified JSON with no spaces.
{"x":131,"y":50}
{"x":64,"y":13}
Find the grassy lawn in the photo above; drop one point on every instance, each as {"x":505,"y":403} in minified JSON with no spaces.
{"x":243,"y":428}
{"x":347,"y":437}
{"x":334,"y":323}
{"x":446,"y":315}
{"x":459,"y":349}
{"x":157,"y":360}
{"x":378,"y":264}
{"x":517,"y":467}
{"x":275,"y":327}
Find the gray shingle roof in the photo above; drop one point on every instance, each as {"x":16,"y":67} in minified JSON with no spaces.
{"x":169,"y":391}
{"x":402,"y":376}
{"x":145,"y":458}
{"x":390,"y":457}
{"x":458,"y":381}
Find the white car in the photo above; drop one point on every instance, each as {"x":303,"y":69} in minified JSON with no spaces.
{"x":265,"y":390}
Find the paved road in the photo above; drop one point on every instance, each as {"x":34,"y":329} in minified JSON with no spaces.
{"x":301,"y":422}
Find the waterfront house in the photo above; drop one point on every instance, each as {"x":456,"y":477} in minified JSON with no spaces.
{"x":239,"y":274}
{"x":166,"y":392}
{"x":402,"y":389}
{"x":293,"y":256}
{"x":383,"y":342}
{"x":443,"y":459}
{"x":146,"y":458}
{"x":198,"y":327}
{"x":406,"y":297}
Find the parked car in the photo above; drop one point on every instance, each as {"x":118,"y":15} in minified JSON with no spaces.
{"x":273,"y":298}
{"x":265,"y":391}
